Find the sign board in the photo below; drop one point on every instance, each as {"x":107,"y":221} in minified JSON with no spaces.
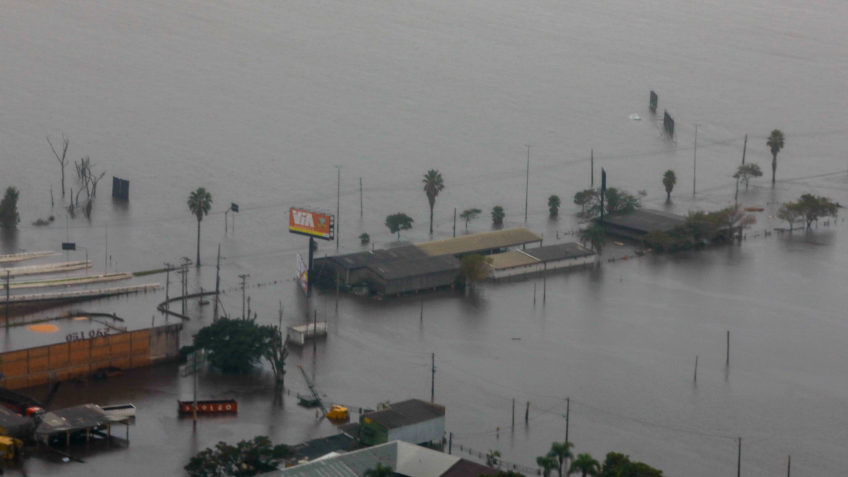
{"x":69,"y":245}
{"x":120,"y":188}
{"x":234,"y":207}
{"x":313,"y":224}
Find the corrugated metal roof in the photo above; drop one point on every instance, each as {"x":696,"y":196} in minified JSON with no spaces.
{"x":405,"y":413}
{"x":513,"y":258}
{"x":415,"y":267}
{"x":373,"y":257}
{"x":560,"y":251}
{"x":73,"y":419}
{"x":646,"y":220}
{"x":481,"y":242}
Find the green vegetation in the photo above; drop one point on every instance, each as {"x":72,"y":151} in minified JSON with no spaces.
{"x":561,"y":451}
{"x":747,"y":171}
{"x":364,"y":238}
{"x":498,"y":215}
{"x":584,"y":198}
{"x":669,"y":180}
{"x":775,"y":143}
{"x":199,"y":203}
{"x":9,"y":217}
{"x":553,"y":205}
{"x":246,"y":458}
{"x":547,"y":464}
{"x":809,"y":207}
{"x":236,"y":345}
{"x":585,"y":465}
{"x":615,"y":202}
{"x":700,"y":229}
{"x":379,"y":471}
{"x":397,"y":222}
{"x":620,"y":465}
{"x":595,"y":235}
{"x":468,"y":215}
{"x":473,"y":268}
{"x":433,"y":184}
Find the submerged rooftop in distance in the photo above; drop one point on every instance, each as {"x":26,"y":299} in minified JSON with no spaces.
{"x":486,"y":242}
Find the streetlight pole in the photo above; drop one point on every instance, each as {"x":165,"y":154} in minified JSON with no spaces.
{"x":695,"y":160}
{"x":338,"y":205}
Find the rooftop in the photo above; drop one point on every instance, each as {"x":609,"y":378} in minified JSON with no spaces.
{"x":481,"y":242}
{"x":415,"y":267}
{"x":75,"y":418}
{"x":405,"y":413}
{"x":560,"y":251}
{"x":646,"y":220}
{"x":512,"y":258}
{"x":373,"y":257}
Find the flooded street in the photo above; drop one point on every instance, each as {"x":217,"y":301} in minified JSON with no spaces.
{"x":259,"y":101}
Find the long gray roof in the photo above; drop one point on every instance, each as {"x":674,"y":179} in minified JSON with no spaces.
{"x":407,"y":412}
{"x":559,"y":252}
{"x":646,"y":220}
{"x":415,"y":267}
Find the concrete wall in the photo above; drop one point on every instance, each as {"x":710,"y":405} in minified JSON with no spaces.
{"x":79,"y":359}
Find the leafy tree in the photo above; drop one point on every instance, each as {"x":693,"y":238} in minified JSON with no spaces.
{"x":813,"y":207}
{"x":547,"y":464}
{"x":199,"y":203}
{"x":620,"y":202}
{"x":364,"y":238}
{"x":619,"y":465}
{"x":658,"y":240}
{"x":246,"y":458}
{"x":669,"y":180}
{"x":498,"y":215}
{"x":433,"y":184}
{"x":397,"y":222}
{"x":584,"y":198}
{"x":746,"y":172}
{"x":468,"y":215}
{"x":473,"y":268}
{"x":379,"y":471}
{"x":775,"y":144}
{"x":586,"y":465}
{"x":790,"y":212}
{"x":9,"y":217}
{"x":595,"y":235}
{"x":561,"y":451}
{"x":493,"y":458}
{"x":553,"y":205}
{"x":236,"y":345}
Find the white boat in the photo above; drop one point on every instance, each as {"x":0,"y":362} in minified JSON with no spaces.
{"x":119,"y":410}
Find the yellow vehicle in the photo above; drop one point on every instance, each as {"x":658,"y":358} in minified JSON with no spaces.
{"x":337,"y":413}
{"x":10,"y":448}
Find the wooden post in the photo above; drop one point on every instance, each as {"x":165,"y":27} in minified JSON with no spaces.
{"x":696,"y":369}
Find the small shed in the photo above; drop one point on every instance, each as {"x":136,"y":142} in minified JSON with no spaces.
{"x":414,"y":421}
{"x":76,"y":420}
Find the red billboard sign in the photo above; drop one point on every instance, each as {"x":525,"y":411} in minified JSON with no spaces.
{"x":313,"y":224}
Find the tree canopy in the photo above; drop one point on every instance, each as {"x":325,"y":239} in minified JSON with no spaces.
{"x":379,"y":471}
{"x":553,"y":205}
{"x":474,"y":267}
{"x":468,"y":215}
{"x":397,"y":222}
{"x":746,"y":172}
{"x":9,"y":217}
{"x":701,"y":228}
{"x":616,"y":201}
{"x":669,"y":180}
{"x":595,"y":235}
{"x":620,"y":465}
{"x":809,"y":207}
{"x":498,"y":215}
{"x":246,"y":458}
{"x":585,"y":465}
{"x":236,"y":345}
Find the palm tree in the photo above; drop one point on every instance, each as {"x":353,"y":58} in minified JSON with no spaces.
{"x":199,"y":203}
{"x":775,"y":143}
{"x":561,"y":451}
{"x":586,"y":465}
{"x":669,"y":180}
{"x":433,"y":184}
{"x":547,"y":464}
{"x":498,"y":215}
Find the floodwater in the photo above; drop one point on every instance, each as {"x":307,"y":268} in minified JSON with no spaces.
{"x":259,"y":101}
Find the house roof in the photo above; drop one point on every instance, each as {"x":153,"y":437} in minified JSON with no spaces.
{"x":403,"y":458}
{"x":560,"y":251}
{"x":405,"y":413}
{"x":373,"y":257}
{"x":481,"y":242}
{"x":325,"y":445}
{"x":415,"y":267}
{"x":74,"y":418}
{"x":645,"y":220}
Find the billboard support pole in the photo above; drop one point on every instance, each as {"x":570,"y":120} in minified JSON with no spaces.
{"x":309,"y":268}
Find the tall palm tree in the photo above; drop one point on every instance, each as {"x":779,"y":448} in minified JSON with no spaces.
{"x":561,"y":451}
{"x":775,"y":144}
{"x":199,"y":203}
{"x":433,"y":184}
{"x":669,"y":180}
{"x":586,"y":465}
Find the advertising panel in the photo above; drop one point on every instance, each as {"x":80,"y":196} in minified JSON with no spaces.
{"x":313,"y":224}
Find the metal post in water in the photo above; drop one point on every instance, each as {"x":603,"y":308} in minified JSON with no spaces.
{"x":696,"y":369}
{"x":527,"y":184}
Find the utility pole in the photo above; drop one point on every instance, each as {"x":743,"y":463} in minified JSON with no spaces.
{"x":186,"y":262}
{"x":168,"y":268}
{"x":361,"y":207}
{"x":243,"y":277}
{"x":527,"y":184}
{"x":454,"y":222}
{"x":739,"y":459}
{"x":592,"y":169}
{"x":217,"y":285}
{"x":695,"y":160}
{"x":8,"y":275}
{"x":182,"y":273}
{"x":106,"y":253}
{"x":338,"y":206}
{"x":567,"y":415}
{"x":225,"y":220}
{"x":433,"y":379}
{"x":744,"y":148}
